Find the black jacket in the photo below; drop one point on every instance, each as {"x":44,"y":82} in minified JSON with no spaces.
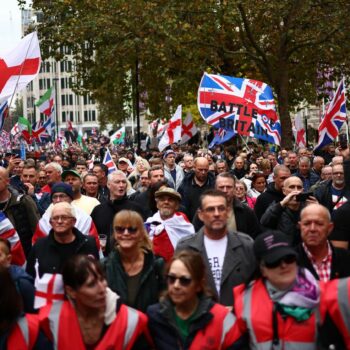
{"x":281,"y":218}
{"x":266,"y":198}
{"x":246,"y":220}
{"x":45,"y":251}
{"x":103,"y":215}
{"x":163,"y":328}
{"x":190,"y":192}
{"x":151,"y":279}
{"x":340,"y":266}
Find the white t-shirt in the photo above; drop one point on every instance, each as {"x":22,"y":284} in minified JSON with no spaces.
{"x":216,"y":249}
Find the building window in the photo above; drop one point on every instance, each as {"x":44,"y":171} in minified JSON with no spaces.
{"x":64,"y":117}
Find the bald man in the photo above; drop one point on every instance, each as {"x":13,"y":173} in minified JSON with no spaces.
{"x":194,"y":184}
{"x":316,"y":252}
{"x":20,"y":209}
{"x":285,"y":214}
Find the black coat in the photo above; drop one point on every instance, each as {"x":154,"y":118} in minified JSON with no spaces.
{"x":45,"y":251}
{"x":266,"y":198}
{"x":103,"y":215}
{"x":190,"y":192}
{"x":340,"y":266}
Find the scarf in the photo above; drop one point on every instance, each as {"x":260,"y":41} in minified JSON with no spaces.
{"x":176,"y":227}
{"x":300,"y":300}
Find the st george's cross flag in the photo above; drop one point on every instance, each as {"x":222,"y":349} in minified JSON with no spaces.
{"x":299,"y":131}
{"x":333,"y":119}
{"x":242,"y":106}
{"x":189,"y":129}
{"x":173,"y":131}
{"x":19,"y":66}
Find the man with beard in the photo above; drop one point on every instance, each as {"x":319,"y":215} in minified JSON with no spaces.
{"x":167,"y":226}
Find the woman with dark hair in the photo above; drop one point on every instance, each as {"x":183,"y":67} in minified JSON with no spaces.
{"x":93,"y":316}
{"x":132,"y":270}
{"x":279,"y":307}
{"x":187,"y":317}
{"x":258,"y":185}
{"x":17,"y":331}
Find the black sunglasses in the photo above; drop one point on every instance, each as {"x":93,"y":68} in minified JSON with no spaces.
{"x":121,"y":229}
{"x":184,"y":281}
{"x":289,"y":259}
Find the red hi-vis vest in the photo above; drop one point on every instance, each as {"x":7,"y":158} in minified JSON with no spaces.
{"x":24,"y":334}
{"x":220,"y":333}
{"x":337,"y":302}
{"x":60,"y":323}
{"x":254,"y":311}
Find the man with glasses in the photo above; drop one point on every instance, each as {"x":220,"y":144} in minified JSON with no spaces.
{"x":228,"y":255}
{"x":62,"y":192}
{"x":63,"y":241}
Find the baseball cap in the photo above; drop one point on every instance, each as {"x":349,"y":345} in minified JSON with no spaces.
{"x":70,"y":172}
{"x":123,"y":159}
{"x":61,"y":187}
{"x":272,"y":246}
{"x":168,"y":192}
{"x":169,"y":151}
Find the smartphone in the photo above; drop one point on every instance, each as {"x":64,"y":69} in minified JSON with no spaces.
{"x":343,"y":141}
{"x":302,"y":197}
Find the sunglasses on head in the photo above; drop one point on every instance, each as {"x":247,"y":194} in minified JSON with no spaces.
{"x":184,"y":281}
{"x":121,"y":229}
{"x":290,"y":259}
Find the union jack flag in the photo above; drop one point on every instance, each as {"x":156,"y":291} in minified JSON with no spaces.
{"x":244,"y":106}
{"x":108,"y":161}
{"x":221,"y":136}
{"x":4,"y":112}
{"x":39,"y":130}
{"x":334,"y":118}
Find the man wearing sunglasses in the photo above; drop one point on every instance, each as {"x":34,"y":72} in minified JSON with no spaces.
{"x":228,"y":255}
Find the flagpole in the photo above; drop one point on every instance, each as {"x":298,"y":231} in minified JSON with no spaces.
{"x":20,"y":72}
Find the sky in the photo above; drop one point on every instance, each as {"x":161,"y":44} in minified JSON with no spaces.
{"x":10,"y":24}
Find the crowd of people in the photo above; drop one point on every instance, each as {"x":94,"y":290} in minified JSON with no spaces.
{"x":229,"y":248}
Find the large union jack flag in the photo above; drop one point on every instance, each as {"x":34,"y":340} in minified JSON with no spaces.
{"x":244,"y":106}
{"x":334,"y":117}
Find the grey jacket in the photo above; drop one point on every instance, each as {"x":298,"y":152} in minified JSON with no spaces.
{"x":239,"y":262}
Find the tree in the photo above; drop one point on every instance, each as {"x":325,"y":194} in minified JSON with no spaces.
{"x":287,"y":44}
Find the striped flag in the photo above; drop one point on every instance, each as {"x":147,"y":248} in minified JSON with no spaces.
{"x":108,"y":161}
{"x":46,"y":102}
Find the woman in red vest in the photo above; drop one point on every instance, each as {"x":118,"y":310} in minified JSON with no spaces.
{"x":17,"y":331}
{"x":278,"y":309}
{"x":187,"y":317}
{"x":92,"y":317}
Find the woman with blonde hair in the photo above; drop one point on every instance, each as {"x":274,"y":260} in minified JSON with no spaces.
{"x":132,"y":270}
{"x":141,"y":165}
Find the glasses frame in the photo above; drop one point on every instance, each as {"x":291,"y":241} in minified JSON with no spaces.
{"x":183,"y":280}
{"x":289,"y":259}
{"x":121,"y":229}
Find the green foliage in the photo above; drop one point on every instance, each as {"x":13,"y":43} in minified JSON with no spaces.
{"x":287,"y":44}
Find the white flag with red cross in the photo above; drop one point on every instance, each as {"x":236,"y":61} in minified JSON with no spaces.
{"x":299,"y":131}
{"x":189,"y":129}
{"x":173,"y":132}
{"x":19,"y":66}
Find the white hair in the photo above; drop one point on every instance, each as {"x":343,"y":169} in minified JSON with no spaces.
{"x":111,"y":176}
{"x":56,"y":166}
{"x":65,"y":205}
